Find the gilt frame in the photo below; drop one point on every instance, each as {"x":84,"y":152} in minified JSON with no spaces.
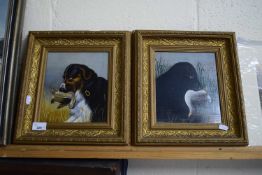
{"x":147,"y":130}
{"x":116,"y":130}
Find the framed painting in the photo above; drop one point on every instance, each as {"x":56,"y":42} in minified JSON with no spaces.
{"x":75,"y":89}
{"x":11,"y":15}
{"x":187,"y":89}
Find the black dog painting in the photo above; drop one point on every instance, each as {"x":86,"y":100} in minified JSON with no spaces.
{"x":76,"y":87}
{"x":186,"y":88}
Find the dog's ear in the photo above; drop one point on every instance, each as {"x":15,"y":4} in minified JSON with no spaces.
{"x":87,"y":73}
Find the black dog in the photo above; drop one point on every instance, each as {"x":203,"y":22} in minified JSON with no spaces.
{"x":78,"y":77}
{"x":171,"y":88}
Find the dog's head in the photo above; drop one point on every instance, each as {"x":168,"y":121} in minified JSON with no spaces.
{"x":75,"y":76}
{"x":186,"y":75}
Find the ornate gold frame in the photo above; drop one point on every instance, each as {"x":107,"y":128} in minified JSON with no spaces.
{"x":116,"y":130}
{"x":223,"y":44}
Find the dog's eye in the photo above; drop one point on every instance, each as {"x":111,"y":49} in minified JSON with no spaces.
{"x":70,"y":78}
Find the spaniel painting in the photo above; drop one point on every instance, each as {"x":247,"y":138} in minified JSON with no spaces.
{"x":90,"y":94}
{"x":186,"y":91}
{"x":76,"y":88}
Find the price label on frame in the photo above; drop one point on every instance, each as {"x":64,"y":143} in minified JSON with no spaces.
{"x":39,"y":126}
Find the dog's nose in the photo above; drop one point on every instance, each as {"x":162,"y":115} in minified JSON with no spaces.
{"x":62,"y":87}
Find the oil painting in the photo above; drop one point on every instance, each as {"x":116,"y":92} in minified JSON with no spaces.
{"x":75,"y":87}
{"x":3,"y":59}
{"x":186,"y":88}
{"x":3,"y":22}
{"x":11,"y":22}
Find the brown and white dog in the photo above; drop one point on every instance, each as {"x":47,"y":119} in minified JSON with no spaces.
{"x":90,"y":93}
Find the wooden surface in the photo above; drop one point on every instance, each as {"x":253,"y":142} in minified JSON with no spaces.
{"x":61,"y":167}
{"x":130,"y":152}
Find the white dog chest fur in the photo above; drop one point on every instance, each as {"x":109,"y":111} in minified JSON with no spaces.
{"x":80,"y":112}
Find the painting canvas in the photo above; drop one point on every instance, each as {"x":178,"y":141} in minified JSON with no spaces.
{"x":186,"y":87}
{"x":3,"y":19}
{"x":75,"y":88}
{"x":11,"y":20}
{"x":3,"y":54}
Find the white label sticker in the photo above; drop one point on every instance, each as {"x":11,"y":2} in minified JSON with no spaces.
{"x":223,"y":127}
{"x":28,"y":99}
{"x":39,"y":126}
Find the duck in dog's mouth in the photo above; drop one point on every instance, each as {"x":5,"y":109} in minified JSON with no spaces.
{"x":63,"y":99}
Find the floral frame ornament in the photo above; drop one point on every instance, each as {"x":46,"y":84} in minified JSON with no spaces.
{"x":44,"y":47}
{"x":160,"y":118}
